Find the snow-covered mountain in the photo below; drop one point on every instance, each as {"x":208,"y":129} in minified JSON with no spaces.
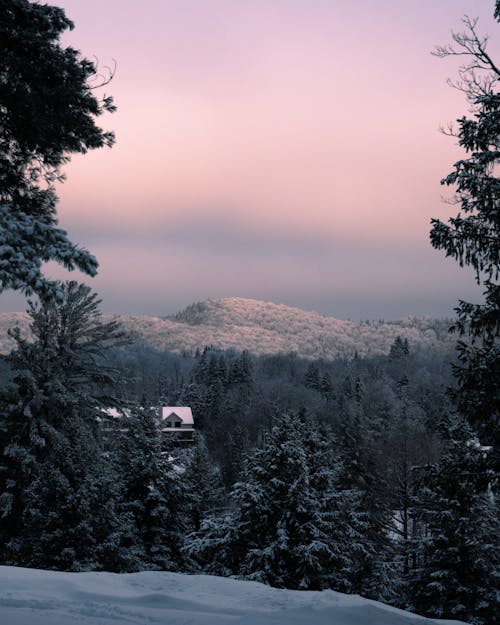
{"x":266,"y":328}
{"x":31,"y":597}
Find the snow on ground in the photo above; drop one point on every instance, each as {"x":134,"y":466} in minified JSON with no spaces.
{"x":32,"y":597}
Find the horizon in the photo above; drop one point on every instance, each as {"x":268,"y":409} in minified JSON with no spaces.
{"x":286,"y":152}
{"x":172,"y":315}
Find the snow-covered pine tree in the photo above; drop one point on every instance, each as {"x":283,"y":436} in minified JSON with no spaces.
{"x":234,"y":450}
{"x":288,"y":528}
{"x":278,"y":525}
{"x":343,"y":519}
{"x":204,"y":490}
{"x":71,"y":520}
{"x":361,"y":471}
{"x":458,"y":561}
{"x":154,"y":494}
{"x":472,"y":238}
{"x":48,"y":109}
{"x":457,"y":556}
{"x":311,"y":376}
{"x":399,"y":348}
{"x":52,"y":407}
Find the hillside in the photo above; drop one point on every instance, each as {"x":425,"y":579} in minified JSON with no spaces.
{"x":265,"y":328}
{"x":31,"y":597}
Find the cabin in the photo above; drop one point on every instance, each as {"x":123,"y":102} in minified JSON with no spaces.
{"x":177,"y":421}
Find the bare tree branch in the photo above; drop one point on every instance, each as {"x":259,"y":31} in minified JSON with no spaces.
{"x":479,"y":76}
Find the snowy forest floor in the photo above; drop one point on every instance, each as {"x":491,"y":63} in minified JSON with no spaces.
{"x":34,"y":597}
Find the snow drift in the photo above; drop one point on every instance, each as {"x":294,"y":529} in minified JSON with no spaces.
{"x":32,"y":597}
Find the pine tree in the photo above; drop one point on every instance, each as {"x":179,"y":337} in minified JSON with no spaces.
{"x":289,"y":528}
{"x":399,"y":349}
{"x":326,"y":386}
{"x":47,"y":112}
{"x":473,"y":236}
{"x":201,"y":369}
{"x":275,"y":507}
{"x":203,"y":483}
{"x":70,"y":518}
{"x":55,"y":402}
{"x":311,"y":378}
{"x":360,"y":473}
{"x":457,"y":555}
{"x":349,"y":544}
{"x":222,"y":369}
{"x":154,"y":494}
{"x":241,"y":370}
{"x":235,"y":448}
{"x":459,"y":559}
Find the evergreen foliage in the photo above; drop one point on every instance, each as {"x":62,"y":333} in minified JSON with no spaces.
{"x":311,"y":378}
{"x":399,"y":348}
{"x":49,"y":425}
{"x":473,"y":236}
{"x":153,"y":494}
{"x":47,"y":112}
{"x":241,"y":371}
{"x":360,"y":472}
{"x":203,"y":484}
{"x":71,"y":519}
{"x":290,"y":528}
{"x":457,"y":554}
{"x":457,"y":557}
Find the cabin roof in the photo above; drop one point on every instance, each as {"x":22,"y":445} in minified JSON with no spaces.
{"x":182,"y":412}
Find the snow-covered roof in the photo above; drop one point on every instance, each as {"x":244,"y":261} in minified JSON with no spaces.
{"x":182,"y":412}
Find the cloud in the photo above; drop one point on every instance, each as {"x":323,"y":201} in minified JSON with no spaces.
{"x":159,"y":269}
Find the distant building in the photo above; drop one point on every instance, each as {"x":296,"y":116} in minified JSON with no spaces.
{"x":176,"y":422}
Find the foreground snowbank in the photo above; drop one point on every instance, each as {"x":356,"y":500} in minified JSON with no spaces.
{"x":31,"y":597}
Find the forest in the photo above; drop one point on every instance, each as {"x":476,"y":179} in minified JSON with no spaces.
{"x":353,"y":474}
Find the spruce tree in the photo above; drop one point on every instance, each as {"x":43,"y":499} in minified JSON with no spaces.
{"x":311,"y":377}
{"x":360,"y":472}
{"x":457,"y":555}
{"x":473,"y":236}
{"x":204,"y":491}
{"x":346,"y":523}
{"x":289,"y":528}
{"x":48,"y":111}
{"x":154,"y":494}
{"x":234,"y":449}
{"x":49,"y":421}
{"x":276,"y":507}
{"x":71,"y":519}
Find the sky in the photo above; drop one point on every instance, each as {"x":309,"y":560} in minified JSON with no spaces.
{"x":283,"y":150}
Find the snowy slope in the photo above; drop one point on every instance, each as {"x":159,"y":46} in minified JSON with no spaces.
{"x":31,"y":597}
{"x":266,"y":328}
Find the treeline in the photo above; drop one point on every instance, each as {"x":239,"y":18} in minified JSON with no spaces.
{"x":235,"y":397}
{"x":353,"y":475}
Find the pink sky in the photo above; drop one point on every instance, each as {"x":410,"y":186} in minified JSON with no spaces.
{"x":286,"y":150}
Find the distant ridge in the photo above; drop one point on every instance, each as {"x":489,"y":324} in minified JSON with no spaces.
{"x":265,"y":328}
